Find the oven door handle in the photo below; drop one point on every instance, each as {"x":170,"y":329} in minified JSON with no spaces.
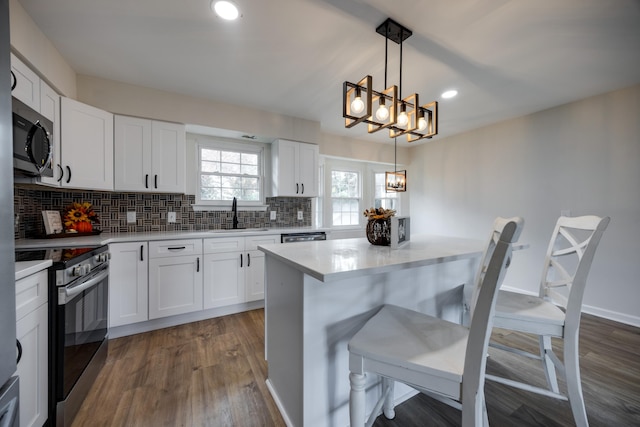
{"x":67,"y":293}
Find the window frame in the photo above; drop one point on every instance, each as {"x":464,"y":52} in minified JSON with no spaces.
{"x":324,"y":208}
{"x":216,"y":144}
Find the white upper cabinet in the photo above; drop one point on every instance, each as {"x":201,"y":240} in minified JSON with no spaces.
{"x":87,"y":146}
{"x":295,"y":168}
{"x":25,"y":83}
{"x":149,"y":155}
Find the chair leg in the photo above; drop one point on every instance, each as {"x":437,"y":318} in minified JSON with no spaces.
{"x":388,"y":407}
{"x":547,"y":363}
{"x":574,"y":384}
{"x":356,"y":399}
{"x":474,"y":414}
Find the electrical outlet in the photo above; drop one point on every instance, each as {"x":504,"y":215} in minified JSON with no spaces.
{"x":171,"y":217}
{"x":131,"y":217}
{"x":300,"y":215}
{"x":272,"y":217}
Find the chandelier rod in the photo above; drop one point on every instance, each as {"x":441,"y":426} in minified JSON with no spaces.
{"x":386,"y":54}
{"x":401,"y":40}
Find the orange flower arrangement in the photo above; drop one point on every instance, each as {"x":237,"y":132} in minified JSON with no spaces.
{"x":379,"y":213}
{"x":80,"y":217}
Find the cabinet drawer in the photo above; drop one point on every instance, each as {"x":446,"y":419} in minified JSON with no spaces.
{"x":223,"y":244}
{"x":31,"y":292}
{"x":169,"y":248}
{"x":252,"y":243}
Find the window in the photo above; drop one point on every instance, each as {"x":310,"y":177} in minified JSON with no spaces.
{"x":227,"y":171}
{"x":382,"y":199}
{"x":345,"y":197}
{"x":348,"y":187}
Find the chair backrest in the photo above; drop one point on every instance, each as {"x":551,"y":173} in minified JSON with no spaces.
{"x":568,"y":260}
{"x":494,"y":236}
{"x":482,"y":319}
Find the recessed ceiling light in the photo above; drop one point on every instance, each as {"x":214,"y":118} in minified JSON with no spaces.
{"x":449,"y":94}
{"x":225,"y":9}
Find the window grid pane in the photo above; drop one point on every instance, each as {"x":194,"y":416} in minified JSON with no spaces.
{"x":226,"y":174}
{"x":382,"y":198}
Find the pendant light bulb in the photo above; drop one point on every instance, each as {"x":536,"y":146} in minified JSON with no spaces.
{"x":357,"y":106}
{"x":382,"y":113}
{"x":422,"y":123}
{"x":403,"y":119}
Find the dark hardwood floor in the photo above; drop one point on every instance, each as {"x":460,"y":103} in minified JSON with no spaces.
{"x":212,"y":373}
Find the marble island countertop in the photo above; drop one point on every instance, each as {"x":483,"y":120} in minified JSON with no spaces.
{"x":332,"y":260}
{"x":106,"y":238}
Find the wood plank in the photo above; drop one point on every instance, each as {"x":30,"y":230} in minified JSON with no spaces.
{"x":213,"y":372}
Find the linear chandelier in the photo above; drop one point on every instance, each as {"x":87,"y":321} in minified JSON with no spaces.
{"x":401,"y":116}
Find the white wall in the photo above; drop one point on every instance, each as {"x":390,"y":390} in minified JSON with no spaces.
{"x":31,"y":45}
{"x":583,"y":157}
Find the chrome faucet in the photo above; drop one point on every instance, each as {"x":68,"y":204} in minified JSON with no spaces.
{"x":234,"y":208}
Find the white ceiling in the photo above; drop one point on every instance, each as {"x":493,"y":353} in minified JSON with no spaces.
{"x":506,"y":58}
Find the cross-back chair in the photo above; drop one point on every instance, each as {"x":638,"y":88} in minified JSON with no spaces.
{"x":556,"y":311}
{"x":442,"y":359}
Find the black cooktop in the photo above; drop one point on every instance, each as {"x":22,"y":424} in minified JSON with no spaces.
{"x":59,"y":256}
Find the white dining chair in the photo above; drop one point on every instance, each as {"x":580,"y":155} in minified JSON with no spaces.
{"x":494,"y":236}
{"x":439,"y":358}
{"x":556,"y":311}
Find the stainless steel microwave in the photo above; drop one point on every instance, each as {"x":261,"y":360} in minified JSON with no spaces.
{"x":32,"y":146}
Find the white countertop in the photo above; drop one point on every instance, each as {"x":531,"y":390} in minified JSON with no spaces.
{"x":331,"y":260}
{"x":106,"y":238}
{"x":27,"y":268}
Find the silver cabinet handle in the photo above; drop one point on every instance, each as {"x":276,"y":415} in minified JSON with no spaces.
{"x":67,"y":293}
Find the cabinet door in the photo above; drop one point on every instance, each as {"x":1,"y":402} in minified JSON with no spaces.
{"x":132,"y":148}
{"x":50,"y":108}
{"x":307,"y":169}
{"x":128,"y":283}
{"x":31,"y":332}
{"x":224,"y":279}
{"x":27,"y":83}
{"x":254,"y":280}
{"x":284,"y":160}
{"x":254,"y":272}
{"x":87,"y":146}
{"x":175,"y":285}
{"x":168,"y":157}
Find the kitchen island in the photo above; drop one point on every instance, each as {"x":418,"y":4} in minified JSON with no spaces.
{"x":318,"y":294}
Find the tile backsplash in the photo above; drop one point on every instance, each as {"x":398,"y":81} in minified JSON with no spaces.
{"x":151,"y":211}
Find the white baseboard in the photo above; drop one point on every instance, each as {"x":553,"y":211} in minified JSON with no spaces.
{"x":181,"y":319}
{"x":612,"y":315}
{"x":595,"y":311}
{"x":276,"y":399}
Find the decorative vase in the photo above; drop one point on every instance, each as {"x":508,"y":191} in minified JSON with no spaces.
{"x":379,"y":232}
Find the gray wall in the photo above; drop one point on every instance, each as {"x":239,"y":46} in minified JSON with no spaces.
{"x":583,"y":157}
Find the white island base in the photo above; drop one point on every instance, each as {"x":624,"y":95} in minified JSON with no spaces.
{"x":319,"y":294}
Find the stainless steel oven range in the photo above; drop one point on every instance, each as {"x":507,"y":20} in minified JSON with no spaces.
{"x":78,"y":309}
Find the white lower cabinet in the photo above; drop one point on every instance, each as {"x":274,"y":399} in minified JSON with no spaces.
{"x":128,"y":283}
{"x":223,"y":279}
{"x":31,"y":332}
{"x":234,"y":270}
{"x":175,"y":277}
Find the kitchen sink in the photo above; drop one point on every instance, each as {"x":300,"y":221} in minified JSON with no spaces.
{"x":238,"y":230}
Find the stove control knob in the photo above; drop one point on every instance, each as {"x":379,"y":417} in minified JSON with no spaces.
{"x":86,"y":269}
{"x":77,"y":271}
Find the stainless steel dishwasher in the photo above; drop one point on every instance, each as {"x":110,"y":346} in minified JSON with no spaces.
{"x":303,"y":236}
